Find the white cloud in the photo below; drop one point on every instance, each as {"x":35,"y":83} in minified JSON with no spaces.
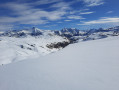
{"x":75,"y":17}
{"x":91,"y":3}
{"x":78,"y":11}
{"x":67,"y":20}
{"x":102,"y":20}
{"x":110,"y":12}
{"x":41,"y":2}
{"x":61,"y":5}
{"x":86,"y":12}
{"x":27,"y":13}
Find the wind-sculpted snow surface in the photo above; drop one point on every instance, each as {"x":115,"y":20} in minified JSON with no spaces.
{"x":91,"y":65}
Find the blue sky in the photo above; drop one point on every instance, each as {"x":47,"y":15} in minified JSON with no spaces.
{"x":57,"y":14}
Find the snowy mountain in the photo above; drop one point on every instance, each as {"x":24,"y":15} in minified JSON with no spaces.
{"x":91,"y":65}
{"x":17,"y":45}
{"x":69,"y":33}
{"x":75,"y":35}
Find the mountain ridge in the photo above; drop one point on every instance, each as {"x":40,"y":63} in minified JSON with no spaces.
{"x":22,"y":44}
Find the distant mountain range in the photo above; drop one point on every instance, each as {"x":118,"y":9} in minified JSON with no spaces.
{"x":16,"y":45}
{"x":72,"y":34}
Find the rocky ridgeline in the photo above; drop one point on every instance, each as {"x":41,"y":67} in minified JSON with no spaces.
{"x":72,"y":34}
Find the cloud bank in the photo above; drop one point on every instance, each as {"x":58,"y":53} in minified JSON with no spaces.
{"x":35,"y":13}
{"x":102,"y":20}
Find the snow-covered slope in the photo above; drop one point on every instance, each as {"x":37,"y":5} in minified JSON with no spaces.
{"x":14,"y":49}
{"x":91,"y":65}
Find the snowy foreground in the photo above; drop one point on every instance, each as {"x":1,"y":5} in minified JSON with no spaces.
{"x":90,"y":65}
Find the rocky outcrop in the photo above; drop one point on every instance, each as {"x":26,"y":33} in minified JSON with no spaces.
{"x":58,"y":45}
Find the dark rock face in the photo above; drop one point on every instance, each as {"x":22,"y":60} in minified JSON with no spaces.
{"x":58,"y":45}
{"x":36,"y":32}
